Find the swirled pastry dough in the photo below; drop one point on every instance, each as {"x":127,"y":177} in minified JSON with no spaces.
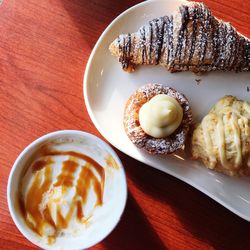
{"x":222,"y":140}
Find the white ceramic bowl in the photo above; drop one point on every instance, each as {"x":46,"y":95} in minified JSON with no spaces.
{"x":114,"y":198}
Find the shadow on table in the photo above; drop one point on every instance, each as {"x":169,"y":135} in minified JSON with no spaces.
{"x":133,"y":231}
{"x":199,"y":215}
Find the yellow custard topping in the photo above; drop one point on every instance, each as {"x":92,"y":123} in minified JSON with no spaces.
{"x":160,"y":116}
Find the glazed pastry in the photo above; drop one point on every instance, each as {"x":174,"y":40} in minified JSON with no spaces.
{"x":157,"y":119}
{"x":222,"y":140}
{"x":193,"y":39}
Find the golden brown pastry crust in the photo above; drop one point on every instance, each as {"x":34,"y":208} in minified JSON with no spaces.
{"x":192,"y":39}
{"x":134,"y":131}
{"x":222,"y":139}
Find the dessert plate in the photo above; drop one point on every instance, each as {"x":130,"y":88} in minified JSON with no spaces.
{"x":107,"y":88}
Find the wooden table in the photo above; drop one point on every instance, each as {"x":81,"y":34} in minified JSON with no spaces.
{"x":44,"y":48}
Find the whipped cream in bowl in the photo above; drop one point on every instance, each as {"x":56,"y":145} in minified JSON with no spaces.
{"x":67,"y":190}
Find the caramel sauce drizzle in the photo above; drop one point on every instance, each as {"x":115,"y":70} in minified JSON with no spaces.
{"x":34,"y":198}
{"x":38,"y":165}
{"x":36,"y":217}
{"x":110,"y":161}
{"x":66,"y":177}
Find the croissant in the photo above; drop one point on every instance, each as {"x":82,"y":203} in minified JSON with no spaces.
{"x":193,"y":39}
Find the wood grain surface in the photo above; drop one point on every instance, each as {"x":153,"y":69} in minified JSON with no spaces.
{"x":44,"y":47}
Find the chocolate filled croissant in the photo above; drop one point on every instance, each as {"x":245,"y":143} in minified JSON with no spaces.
{"x":193,"y":39}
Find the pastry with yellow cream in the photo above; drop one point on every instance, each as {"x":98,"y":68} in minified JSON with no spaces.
{"x":157,"y":119}
{"x":222,"y":139}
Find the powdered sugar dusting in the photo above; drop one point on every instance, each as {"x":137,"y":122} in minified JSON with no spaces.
{"x":192,"y":39}
{"x":134,"y":131}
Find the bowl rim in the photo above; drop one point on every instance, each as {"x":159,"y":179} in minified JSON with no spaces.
{"x":25,"y":231}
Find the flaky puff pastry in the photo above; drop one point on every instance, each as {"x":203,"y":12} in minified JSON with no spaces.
{"x":222,"y":139}
{"x":192,"y":39}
